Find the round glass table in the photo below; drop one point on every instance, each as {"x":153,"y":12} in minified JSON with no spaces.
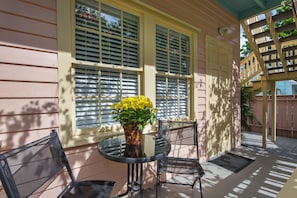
{"x":152,"y":148}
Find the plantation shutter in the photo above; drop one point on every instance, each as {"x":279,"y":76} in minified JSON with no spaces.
{"x":172,"y":57}
{"x":110,"y":86}
{"x":131,"y":40}
{"x":185,"y":55}
{"x":172,"y":97}
{"x":183,"y":97}
{"x":87,"y":39}
{"x":129,"y":84}
{"x":87,"y":100}
{"x":162,"y":49}
{"x":161,"y":99}
{"x":109,"y":36}
{"x":96,"y":90}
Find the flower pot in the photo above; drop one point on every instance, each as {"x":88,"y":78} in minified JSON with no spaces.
{"x":133,"y":138}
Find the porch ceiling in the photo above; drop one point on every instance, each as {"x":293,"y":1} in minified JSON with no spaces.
{"x":243,"y":9}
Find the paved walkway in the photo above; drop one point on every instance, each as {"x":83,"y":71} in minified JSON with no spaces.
{"x":263,"y":178}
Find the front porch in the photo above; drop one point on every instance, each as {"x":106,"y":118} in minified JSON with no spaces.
{"x":48,"y":47}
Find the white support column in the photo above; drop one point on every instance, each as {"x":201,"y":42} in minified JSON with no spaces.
{"x":264,"y":112}
{"x":273,"y":108}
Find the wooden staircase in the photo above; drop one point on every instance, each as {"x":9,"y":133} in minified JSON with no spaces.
{"x":276,"y":55}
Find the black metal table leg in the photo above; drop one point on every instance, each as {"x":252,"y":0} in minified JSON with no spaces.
{"x":141,"y":179}
{"x":134,"y":179}
{"x":113,"y":149}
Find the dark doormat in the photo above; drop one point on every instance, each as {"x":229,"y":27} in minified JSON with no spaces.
{"x":232,"y":162}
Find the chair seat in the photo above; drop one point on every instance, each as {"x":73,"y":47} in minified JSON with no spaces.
{"x":89,"y":189}
{"x":181,"y":166}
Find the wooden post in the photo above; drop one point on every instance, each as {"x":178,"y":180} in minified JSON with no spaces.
{"x":273,"y":111}
{"x":264,"y":116}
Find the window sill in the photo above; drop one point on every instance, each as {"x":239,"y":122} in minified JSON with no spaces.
{"x":85,"y":139}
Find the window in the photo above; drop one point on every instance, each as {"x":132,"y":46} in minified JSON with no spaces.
{"x":173,"y":58}
{"x":96,"y":89}
{"x":101,"y":61}
{"x":106,"y":39}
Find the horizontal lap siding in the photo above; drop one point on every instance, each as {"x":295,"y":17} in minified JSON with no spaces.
{"x":95,"y":165}
{"x":29,"y":71}
{"x":27,"y":56}
{"x":27,"y":25}
{"x":44,"y":10}
{"x":19,"y":39}
{"x":19,"y":106}
{"x":27,"y":89}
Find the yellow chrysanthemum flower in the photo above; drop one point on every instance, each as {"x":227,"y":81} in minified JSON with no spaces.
{"x":136,"y":109}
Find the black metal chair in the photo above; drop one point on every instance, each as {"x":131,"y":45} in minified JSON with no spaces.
{"x":27,"y":170}
{"x":183,"y":138}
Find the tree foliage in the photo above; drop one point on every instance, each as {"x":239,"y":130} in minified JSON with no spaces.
{"x":284,"y":22}
{"x":246,"y":100}
{"x":246,"y":48}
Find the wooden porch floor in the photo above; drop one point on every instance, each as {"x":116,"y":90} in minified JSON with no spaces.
{"x":263,"y":178}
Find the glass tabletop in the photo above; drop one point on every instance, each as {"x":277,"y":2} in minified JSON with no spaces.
{"x":152,"y":148}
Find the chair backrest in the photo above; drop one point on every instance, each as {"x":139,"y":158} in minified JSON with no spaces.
{"x":25,"y":169}
{"x":181,"y":134}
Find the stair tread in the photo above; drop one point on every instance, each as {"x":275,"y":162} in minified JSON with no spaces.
{"x":291,"y":57}
{"x":262,"y":34}
{"x":289,"y":48}
{"x":289,"y":38}
{"x":269,"y":52}
{"x":272,"y":61}
{"x":287,"y":27}
{"x":265,"y":44}
{"x":257,"y":24}
{"x":282,"y":16}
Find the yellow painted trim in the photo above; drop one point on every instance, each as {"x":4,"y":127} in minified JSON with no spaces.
{"x":194,"y":82}
{"x":64,"y":62}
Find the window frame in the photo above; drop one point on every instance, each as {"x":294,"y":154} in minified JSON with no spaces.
{"x":188,"y":76}
{"x":101,"y":65}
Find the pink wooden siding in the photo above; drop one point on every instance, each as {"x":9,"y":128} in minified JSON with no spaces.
{"x":29,"y":71}
{"x":286,"y":117}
